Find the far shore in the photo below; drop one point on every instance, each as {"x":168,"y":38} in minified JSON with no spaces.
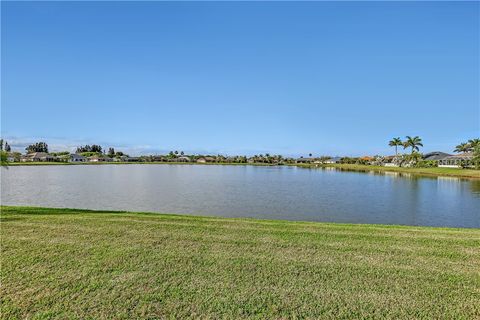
{"x":432,"y":172}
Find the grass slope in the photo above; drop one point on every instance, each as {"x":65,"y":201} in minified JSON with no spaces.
{"x":61,"y":263}
{"x":447,"y":172}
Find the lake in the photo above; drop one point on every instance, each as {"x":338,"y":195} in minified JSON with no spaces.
{"x":280,"y":192}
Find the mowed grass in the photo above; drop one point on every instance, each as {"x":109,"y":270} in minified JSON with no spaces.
{"x":446,"y":172}
{"x":61,"y":263}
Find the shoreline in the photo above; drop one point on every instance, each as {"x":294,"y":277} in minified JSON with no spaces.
{"x":66,"y":210}
{"x":426,"y":172}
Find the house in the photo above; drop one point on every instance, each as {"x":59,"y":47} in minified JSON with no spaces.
{"x":74,"y":157}
{"x":97,"y":158}
{"x":183,"y":159}
{"x":304,"y":160}
{"x":125,"y":158}
{"x":436,"y":155}
{"x":390,"y":161}
{"x":457,"y":161}
{"x":132,"y":159}
{"x":333,"y":160}
{"x":205,"y":159}
{"x":37,"y":156}
{"x":11,"y":157}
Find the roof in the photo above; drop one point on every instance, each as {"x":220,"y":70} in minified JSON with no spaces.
{"x":367,"y":158}
{"x":461,"y":156}
{"x":76,"y":155}
{"x":436,"y":155}
{"x":38,"y":155}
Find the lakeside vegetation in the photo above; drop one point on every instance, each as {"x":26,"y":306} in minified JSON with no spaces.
{"x":464,"y":165}
{"x":65,"y":263}
{"x":435,"y":171}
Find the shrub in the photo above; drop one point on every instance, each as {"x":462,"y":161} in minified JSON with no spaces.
{"x":426,"y":164}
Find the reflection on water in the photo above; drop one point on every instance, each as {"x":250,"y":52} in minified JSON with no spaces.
{"x":315,"y":194}
{"x":475,"y":187}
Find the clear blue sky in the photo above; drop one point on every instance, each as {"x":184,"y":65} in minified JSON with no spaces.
{"x":244,"y":77}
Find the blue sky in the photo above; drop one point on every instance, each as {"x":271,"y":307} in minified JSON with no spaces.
{"x":241,"y":77}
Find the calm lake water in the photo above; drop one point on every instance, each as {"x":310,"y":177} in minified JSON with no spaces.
{"x":248,"y":191}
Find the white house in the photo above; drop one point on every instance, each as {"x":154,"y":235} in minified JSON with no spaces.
{"x":457,"y":161}
{"x":77,"y":158}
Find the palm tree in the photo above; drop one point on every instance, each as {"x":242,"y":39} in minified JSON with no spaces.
{"x":395,"y":142}
{"x":413,"y":143}
{"x":472,"y":142}
{"x":462,"y":147}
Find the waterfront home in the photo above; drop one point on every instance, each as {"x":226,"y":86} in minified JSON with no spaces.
{"x":389,"y":161}
{"x":37,"y":156}
{"x":333,"y":160}
{"x":12,"y":158}
{"x":457,"y":161}
{"x":182,"y":159}
{"x":132,"y":159}
{"x":97,"y":158}
{"x":205,"y":159}
{"x":367,"y":159}
{"x":436,"y":155}
{"x":125,"y":159}
{"x":74,"y":157}
{"x":304,"y":160}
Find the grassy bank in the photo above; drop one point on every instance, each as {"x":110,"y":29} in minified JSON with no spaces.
{"x":60,"y":263}
{"x":446,"y":172}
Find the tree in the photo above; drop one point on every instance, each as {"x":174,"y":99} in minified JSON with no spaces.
{"x":395,"y":142}
{"x":473,"y":143}
{"x":37,"y":147}
{"x":462,"y":147}
{"x":7,"y":147}
{"x":476,"y":156}
{"x":88,"y":148}
{"x":1,"y":144}
{"x":3,"y":159}
{"x":413,"y":143}
{"x":111,"y":152}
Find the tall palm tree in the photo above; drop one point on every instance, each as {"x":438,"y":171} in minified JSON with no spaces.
{"x":462,"y":147}
{"x":413,"y":143}
{"x":472,"y":142}
{"x":395,"y":142}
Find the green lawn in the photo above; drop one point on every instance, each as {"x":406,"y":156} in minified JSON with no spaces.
{"x":60,"y":263}
{"x":447,"y":172}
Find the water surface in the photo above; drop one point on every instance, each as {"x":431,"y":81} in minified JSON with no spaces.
{"x":290,"y":193}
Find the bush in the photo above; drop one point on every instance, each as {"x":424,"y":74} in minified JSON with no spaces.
{"x":426,"y":164}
